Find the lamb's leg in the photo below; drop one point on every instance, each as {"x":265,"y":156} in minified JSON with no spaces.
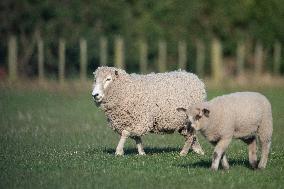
{"x":187,"y":145}
{"x":119,"y":149}
{"x":191,"y":141}
{"x":139,"y":145}
{"x":265,"y":134}
{"x":218,"y":152}
{"x":265,"y":146}
{"x":252,"y":150}
{"x":196,"y":147}
{"x":224,"y":162}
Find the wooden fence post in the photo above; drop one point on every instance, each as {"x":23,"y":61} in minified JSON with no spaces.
{"x":162,"y":57}
{"x":182,"y":55}
{"x":61,"y":66}
{"x":143,"y":56}
{"x":103,"y":51}
{"x":217,"y":60}
{"x":258,"y":58}
{"x":241,"y":50}
{"x":83,"y":59}
{"x":12,"y":58}
{"x":119,"y":53}
{"x":200,"y":57}
{"x":40,"y":49}
{"x":276,"y":58}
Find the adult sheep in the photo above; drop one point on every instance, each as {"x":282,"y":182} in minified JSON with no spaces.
{"x":138,"y":104}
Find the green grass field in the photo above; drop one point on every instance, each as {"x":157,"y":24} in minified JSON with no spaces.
{"x":61,"y":140}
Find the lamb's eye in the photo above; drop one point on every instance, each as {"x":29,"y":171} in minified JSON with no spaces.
{"x":197,"y":117}
{"x":108,"y":79}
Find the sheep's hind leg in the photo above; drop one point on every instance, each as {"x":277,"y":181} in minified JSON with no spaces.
{"x":139,"y":145}
{"x":224,"y":162}
{"x":265,"y":146}
{"x":119,"y":149}
{"x":265,"y":134}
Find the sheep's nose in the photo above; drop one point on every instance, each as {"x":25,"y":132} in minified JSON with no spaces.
{"x":95,"y":95}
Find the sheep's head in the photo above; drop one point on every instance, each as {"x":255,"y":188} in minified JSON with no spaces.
{"x":103,"y":78}
{"x":197,"y":115}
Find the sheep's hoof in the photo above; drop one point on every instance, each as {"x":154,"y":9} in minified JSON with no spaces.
{"x":119,"y":153}
{"x":142,"y":154}
{"x":183,"y":153}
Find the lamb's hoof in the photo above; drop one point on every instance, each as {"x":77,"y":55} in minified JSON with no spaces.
{"x":183,"y":153}
{"x":119,"y":153}
{"x":253,"y":165}
{"x":260,"y":168}
{"x":142,"y":154}
{"x":198,"y":151}
{"x":214,"y":168}
{"x":226,"y":167}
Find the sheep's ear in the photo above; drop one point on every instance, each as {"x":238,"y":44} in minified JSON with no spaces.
{"x":181,"y":109}
{"x":116,"y":73}
{"x":206,"y":112}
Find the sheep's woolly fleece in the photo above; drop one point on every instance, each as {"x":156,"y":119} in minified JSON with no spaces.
{"x":148,"y":103}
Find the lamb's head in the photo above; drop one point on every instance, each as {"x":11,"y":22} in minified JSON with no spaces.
{"x":103,"y":79}
{"x":197,"y":116}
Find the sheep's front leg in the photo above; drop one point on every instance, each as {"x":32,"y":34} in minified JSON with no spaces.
{"x":139,"y":145}
{"x":218,"y":152}
{"x":196,"y":147}
{"x":252,"y":149}
{"x":119,"y":149}
{"x":191,"y":142}
{"x":187,"y":145}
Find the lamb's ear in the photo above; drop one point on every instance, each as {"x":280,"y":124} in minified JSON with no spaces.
{"x":181,"y":109}
{"x":206,"y":112}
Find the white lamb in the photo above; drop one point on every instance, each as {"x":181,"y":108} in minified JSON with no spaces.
{"x":138,"y":104}
{"x":242,"y":115}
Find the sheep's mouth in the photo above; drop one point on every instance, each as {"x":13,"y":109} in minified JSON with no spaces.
{"x":98,"y":100}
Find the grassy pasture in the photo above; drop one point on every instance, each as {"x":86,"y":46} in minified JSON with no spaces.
{"x":61,"y":140}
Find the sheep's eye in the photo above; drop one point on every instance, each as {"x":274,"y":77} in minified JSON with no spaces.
{"x":108,"y":79}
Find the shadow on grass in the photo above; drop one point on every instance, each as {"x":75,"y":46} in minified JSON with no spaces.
{"x":134,"y":151}
{"x":148,"y":150}
{"x":207,"y":164}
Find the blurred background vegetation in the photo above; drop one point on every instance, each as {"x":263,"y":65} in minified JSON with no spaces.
{"x":231,"y":22}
